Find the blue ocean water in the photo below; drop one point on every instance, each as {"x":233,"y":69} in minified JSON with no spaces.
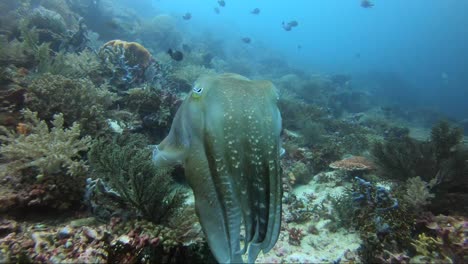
{"x":421,"y":45}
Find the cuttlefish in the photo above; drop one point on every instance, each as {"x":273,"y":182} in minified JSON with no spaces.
{"x":226,"y":134}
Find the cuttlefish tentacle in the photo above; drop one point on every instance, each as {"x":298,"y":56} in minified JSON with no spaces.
{"x":226,"y":133}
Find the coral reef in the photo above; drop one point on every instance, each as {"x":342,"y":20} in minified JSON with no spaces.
{"x":299,"y":173}
{"x":125,"y":163}
{"x":117,"y":241}
{"x":84,"y":64}
{"x":445,"y":242}
{"x":383,"y":221}
{"x":418,"y":193}
{"x":15,"y":52}
{"x":42,"y":167}
{"x":46,"y":150}
{"x":401,"y":159}
{"x":441,"y":161}
{"x":295,"y":236}
{"x":49,"y":25}
{"x":65,"y":89}
{"x":444,"y":137}
{"x":155,"y":107}
{"x":126,"y":62}
{"x":78,"y":99}
{"x":353,"y":164}
{"x":12,"y":91}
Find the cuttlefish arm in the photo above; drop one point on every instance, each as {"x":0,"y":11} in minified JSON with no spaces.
{"x":227,"y":135}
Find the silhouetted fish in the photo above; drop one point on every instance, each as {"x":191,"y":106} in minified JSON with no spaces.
{"x":216,"y":10}
{"x":187,"y":16}
{"x":288,"y":26}
{"x":222,"y":3}
{"x":293,"y":23}
{"x":246,"y":40}
{"x":175,"y":55}
{"x":366,"y":4}
{"x":256,"y":11}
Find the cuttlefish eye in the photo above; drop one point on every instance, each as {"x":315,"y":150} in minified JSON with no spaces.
{"x":197,"y":90}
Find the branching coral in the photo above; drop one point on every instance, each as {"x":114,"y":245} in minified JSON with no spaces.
{"x":126,"y":164}
{"x":79,"y":101}
{"x":47,"y":150}
{"x":85,"y":64}
{"x":15,"y":52}
{"x":295,"y":236}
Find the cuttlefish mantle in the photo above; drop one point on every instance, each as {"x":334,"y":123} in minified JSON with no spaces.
{"x":227,"y":135}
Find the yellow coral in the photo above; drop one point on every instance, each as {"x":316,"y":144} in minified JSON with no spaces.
{"x":134,"y":52}
{"x":429,"y":248}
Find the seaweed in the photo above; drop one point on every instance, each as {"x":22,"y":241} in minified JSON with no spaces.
{"x":125,"y":163}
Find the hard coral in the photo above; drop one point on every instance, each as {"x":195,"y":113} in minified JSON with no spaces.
{"x":44,"y":149}
{"x":126,"y":62}
{"x":355,"y":163}
{"x":134,"y":53}
{"x":78,"y":99}
{"x":448,"y":240}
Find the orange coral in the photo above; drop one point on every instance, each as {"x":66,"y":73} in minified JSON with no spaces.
{"x":355,"y":163}
{"x":22,"y":129}
{"x":135,"y":53}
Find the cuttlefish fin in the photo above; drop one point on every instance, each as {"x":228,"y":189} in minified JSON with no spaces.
{"x":173,"y":149}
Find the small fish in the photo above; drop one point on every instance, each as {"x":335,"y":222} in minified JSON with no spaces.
{"x":293,"y":23}
{"x":366,"y":4}
{"x":286,"y":27}
{"x":216,"y":10}
{"x":299,"y":47}
{"x":246,"y":40}
{"x":256,"y":11}
{"x":175,"y":55}
{"x":222,"y":3}
{"x":187,"y":16}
